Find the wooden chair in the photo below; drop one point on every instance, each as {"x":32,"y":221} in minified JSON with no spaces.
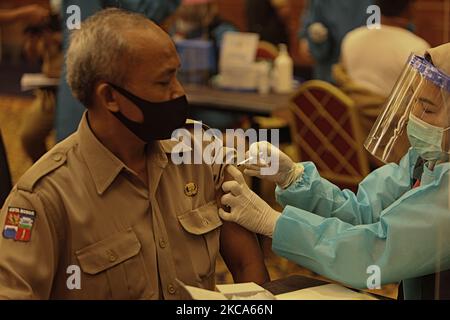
{"x":326,"y":130}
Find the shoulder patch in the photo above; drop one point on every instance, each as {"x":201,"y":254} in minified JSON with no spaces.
{"x":18,"y":224}
{"x":50,"y":162}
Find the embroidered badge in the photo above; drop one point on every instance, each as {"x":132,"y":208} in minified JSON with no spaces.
{"x":18,"y":224}
{"x":190,"y":189}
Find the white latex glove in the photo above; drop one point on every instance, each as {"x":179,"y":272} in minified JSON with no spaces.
{"x":270,"y":156}
{"x":318,"y":32}
{"x":247,"y":209}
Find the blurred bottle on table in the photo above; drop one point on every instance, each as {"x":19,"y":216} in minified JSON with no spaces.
{"x":283,"y":72}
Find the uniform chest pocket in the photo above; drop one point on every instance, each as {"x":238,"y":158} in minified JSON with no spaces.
{"x":117,"y":262}
{"x":202,"y":236}
{"x":201,"y":220}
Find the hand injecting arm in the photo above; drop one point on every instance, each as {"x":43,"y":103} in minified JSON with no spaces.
{"x":270,"y":156}
{"x":247,"y":209}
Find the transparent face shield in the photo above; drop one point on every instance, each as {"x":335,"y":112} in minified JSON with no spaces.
{"x":416,"y":116}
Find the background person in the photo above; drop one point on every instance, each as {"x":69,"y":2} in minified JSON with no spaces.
{"x":325,"y":24}
{"x":199,"y":19}
{"x":374,"y":58}
{"x":269,"y":19}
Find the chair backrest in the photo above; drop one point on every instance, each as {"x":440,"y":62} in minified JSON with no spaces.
{"x":326,"y":130}
{"x":5,"y":177}
{"x":266,"y":51}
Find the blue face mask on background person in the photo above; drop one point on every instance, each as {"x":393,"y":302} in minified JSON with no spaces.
{"x":161,"y":119}
{"x":426,"y":139}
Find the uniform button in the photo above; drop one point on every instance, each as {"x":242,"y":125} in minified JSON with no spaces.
{"x":171,"y":288}
{"x":57,"y":157}
{"x":162,"y":243}
{"x":112,"y":256}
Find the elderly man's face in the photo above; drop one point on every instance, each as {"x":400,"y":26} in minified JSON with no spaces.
{"x":152,"y":71}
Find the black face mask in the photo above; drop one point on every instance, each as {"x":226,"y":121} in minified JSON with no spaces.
{"x":160,"y":118}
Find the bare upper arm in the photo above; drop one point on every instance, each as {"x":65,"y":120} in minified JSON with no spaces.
{"x":242,"y":254}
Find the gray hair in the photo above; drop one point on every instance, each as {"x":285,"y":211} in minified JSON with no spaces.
{"x":99,"y":50}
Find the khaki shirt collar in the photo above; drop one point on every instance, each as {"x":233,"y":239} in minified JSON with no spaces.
{"x":104,"y":166}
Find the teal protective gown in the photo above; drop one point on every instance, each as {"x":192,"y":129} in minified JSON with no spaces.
{"x":339,"y":234}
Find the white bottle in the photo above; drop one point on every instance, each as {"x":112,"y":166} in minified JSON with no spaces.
{"x":283,"y":71}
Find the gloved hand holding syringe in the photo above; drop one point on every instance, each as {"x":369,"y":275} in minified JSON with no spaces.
{"x":247,"y":208}
{"x":265,"y":161}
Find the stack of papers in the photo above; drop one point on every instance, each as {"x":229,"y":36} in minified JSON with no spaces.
{"x":237,"y":66}
{"x":241,"y":291}
{"x":252,"y":291}
{"x":325,"y":292}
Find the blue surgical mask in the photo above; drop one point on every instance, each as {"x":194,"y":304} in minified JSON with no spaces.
{"x":426,"y":139}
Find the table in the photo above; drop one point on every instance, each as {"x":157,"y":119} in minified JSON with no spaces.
{"x":292,"y":283}
{"x":297,"y":282}
{"x":245,"y":102}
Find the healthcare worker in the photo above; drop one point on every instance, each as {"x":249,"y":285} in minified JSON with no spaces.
{"x":399,"y":221}
{"x":325,"y":24}
{"x":68,"y":110}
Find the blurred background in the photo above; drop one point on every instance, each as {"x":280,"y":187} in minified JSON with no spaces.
{"x":430,"y":17}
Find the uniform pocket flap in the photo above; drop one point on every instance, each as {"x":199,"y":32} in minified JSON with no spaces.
{"x":201,"y":220}
{"x":109,"y":252}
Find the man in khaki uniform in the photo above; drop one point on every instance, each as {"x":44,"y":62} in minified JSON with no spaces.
{"x":110,"y":206}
